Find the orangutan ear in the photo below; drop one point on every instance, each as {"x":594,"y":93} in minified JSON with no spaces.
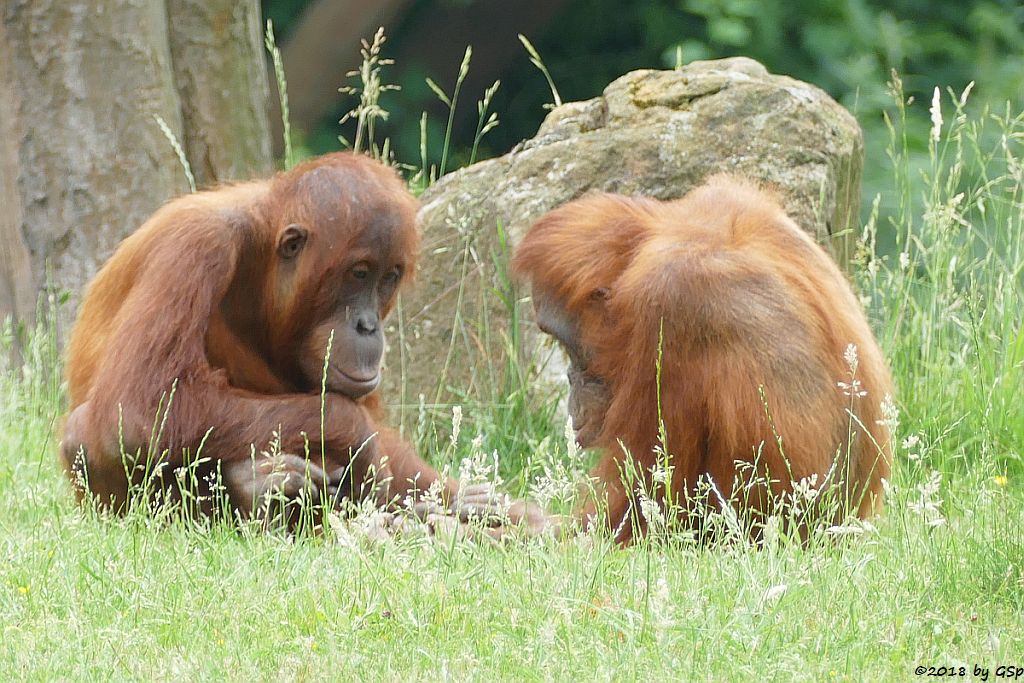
{"x":291,"y":241}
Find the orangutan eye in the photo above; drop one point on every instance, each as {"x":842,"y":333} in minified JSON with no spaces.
{"x":291,"y":241}
{"x":391,"y":279}
{"x":360,"y":271}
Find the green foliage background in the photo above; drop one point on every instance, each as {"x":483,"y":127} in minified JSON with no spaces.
{"x":847,"y":47}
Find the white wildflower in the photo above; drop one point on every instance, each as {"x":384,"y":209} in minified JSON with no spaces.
{"x":890,"y":414}
{"x":904,"y":260}
{"x":852,"y":388}
{"x":850,"y":356}
{"x":771,"y":533}
{"x":371,"y":523}
{"x":456,"y":423}
{"x":947,"y":214}
{"x":929,"y":504}
{"x":772,"y":595}
{"x":433,"y":496}
{"x":79,"y":468}
{"x":478,"y":468}
{"x":936,"y":112}
{"x":807,"y":488}
{"x":652,"y":513}
{"x":804,"y":493}
{"x":910,"y":445}
{"x":965,"y":93}
{"x":660,"y":474}
{"x":729,"y":517}
{"x":342,"y":534}
{"x":559,"y":476}
{"x":852,"y":527}
{"x":547,"y":633}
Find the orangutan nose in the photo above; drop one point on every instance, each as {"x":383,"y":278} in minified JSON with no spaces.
{"x":366,"y":323}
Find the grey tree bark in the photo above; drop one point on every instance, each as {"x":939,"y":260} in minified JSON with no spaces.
{"x":16,"y":289}
{"x":221,"y":77}
{"x":83,"y":161}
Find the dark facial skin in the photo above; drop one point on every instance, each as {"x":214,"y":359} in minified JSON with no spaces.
{"x":358,"y":346}
{"x":350,"y":302}
{"x":329,"y":273}
{"x":588,"y":393}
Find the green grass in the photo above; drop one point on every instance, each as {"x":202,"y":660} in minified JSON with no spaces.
{"x":85,"y":598}
{"x":938,"y":580}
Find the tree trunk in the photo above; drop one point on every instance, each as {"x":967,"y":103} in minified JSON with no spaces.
{"x":91,"y":161}
{"x":219,"y":70}
{"x":83,"y":161}
{"x":17,"y":290}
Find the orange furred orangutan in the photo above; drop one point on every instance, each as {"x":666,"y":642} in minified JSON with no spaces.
{"x":212,"y":331}
{"x":710,"y":340}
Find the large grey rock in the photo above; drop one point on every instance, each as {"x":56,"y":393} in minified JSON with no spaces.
{"x":654,"y":133}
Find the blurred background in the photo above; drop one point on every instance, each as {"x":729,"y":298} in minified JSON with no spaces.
{"x":110,"y":108}
{"x":847,"y":47}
